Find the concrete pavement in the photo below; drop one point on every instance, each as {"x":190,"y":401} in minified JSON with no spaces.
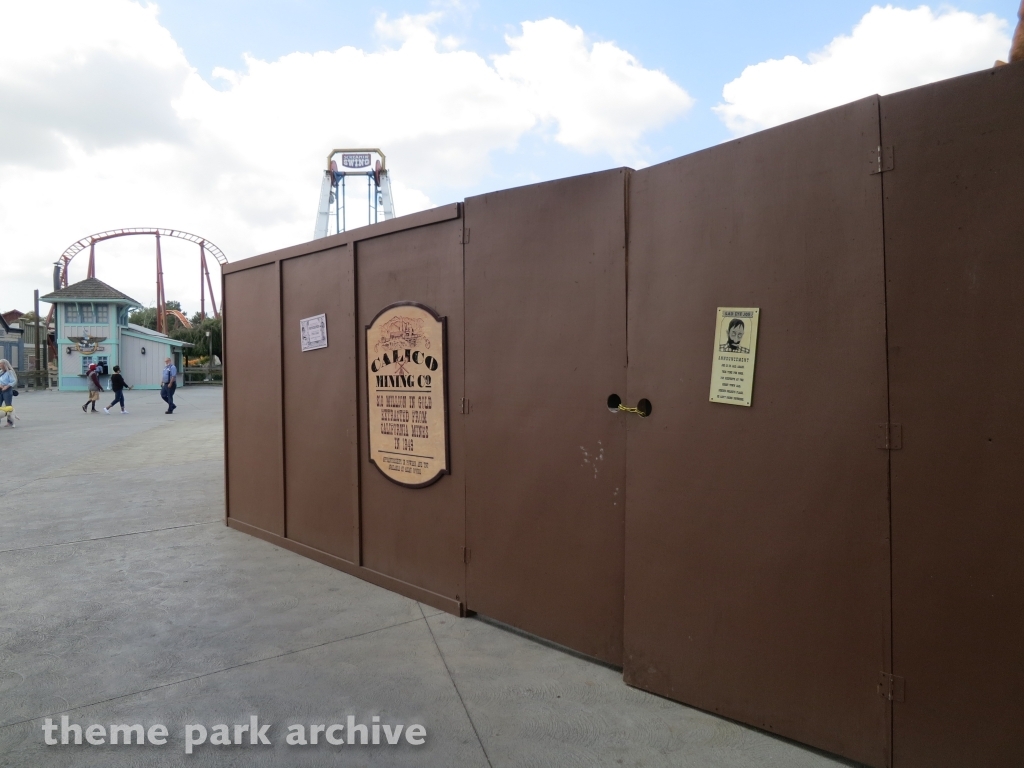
{"x":125,"y":600}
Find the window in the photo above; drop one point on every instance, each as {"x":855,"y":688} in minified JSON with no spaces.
{"x":70,"y":313}
{"x":101,"y":364}
{"x":102,"y":314}
{"x":86,"y":312}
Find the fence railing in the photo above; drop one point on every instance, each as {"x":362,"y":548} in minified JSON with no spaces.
{"x":213,"y":374}
{"x":36,"y":380}
{"x":33,"y":380}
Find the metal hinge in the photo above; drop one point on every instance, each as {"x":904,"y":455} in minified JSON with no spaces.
{"x":881,"y":159}
{"x":464,"y":236}
{"x":889,"y":437}
{"x":464,"y":405}
{"x":890,"y":687}
{"x":467,"y":555}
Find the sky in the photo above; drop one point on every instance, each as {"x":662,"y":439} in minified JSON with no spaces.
{"x":215,"y":116}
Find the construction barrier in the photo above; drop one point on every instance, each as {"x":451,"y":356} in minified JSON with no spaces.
{"x":746,"y":423}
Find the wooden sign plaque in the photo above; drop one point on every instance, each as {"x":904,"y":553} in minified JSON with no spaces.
{"x":407,"y":394}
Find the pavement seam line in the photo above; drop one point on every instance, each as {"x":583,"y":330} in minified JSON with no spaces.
{"x":9,"y":491}
{"x":215,"y":672}
{"x":111,"y":536}
{"x":456,"y":687}
{"x":65,"y":475}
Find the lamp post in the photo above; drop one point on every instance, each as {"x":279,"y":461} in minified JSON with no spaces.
{"x":39,"y":349}
{"x":209,"y":358}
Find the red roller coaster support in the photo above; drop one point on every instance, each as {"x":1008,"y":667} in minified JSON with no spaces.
{"x":204,"y":283}
{"x":205,"y":248}
{"x":161,"y":304}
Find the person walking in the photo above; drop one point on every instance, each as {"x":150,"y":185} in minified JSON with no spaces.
{"x":169,"y":383}
{"x":95,"y":387}
{"x":117,"y":384}
{"x":8,"y":379}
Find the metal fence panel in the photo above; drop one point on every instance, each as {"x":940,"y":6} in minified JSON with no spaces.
{"x":415,"y":535}
{"x":955,"y":269}
{"x":320,"y":423}
{"x":545,"y":347}
{"x":252,"y":398}
{"x":757,"y":553}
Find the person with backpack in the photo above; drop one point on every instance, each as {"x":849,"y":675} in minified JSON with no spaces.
{"x":8,"y":380}
{"x":95,"y":387}
{"x":117,"y":384}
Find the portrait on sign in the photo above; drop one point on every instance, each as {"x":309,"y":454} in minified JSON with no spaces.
{"x":407,"y":395}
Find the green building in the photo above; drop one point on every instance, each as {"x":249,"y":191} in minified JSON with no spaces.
{"x":92,"y":327}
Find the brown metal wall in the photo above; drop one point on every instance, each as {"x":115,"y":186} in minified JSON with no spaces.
{"x":269,"y":380}
{"x":757,"y":580}
{"x":415,"y":535}
{"x":757,"y":553}
{"x":252,"y":333}
{"x":545,"y":346}
{"x":955,"y":267}
{"x":320,"y":423}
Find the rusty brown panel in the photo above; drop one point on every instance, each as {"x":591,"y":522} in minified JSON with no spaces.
{"x":545,"y":347}
{"x":415,"y":535}
{"x":320,"y":424}
{"x":252,"y":395}
{"x":757,"y":552}
{"x":454,"y":607}
{"x":409,"y":221}
{"x":954,"y":244}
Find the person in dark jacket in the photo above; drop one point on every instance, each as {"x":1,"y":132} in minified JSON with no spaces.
{"x":117,"y":384}
{"x":95,"y":387}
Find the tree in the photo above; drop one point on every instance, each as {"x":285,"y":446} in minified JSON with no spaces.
{"x":147,"y":317}
{"x":196,"y":336}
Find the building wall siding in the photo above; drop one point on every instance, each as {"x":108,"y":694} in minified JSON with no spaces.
{"x":143,"y":370}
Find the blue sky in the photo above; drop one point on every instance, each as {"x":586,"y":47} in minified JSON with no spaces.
{"x":214,"y":116}
{"x":700,"y":45}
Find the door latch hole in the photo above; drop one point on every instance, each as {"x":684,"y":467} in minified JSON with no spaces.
{"x":643,"y":408}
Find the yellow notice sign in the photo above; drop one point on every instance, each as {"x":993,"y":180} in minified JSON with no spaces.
{"x":732,"y":370}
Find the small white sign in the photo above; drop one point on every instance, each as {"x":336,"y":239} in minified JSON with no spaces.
{"x":314,"y":332}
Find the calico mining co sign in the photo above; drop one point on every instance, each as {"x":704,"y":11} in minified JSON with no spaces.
{"x":407,"y":394}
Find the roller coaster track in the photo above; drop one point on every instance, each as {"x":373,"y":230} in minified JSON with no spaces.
{"x":205,"y":247}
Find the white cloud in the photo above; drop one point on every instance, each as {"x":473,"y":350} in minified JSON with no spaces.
{"x":102,"y":72}
{"x":889,"y":50}
{"x":599,"y":95}
{"x":107,"y":125}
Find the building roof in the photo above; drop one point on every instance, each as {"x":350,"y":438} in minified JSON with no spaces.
{"x":90,"y":289}
{"x":145,"y":330}
{"x":13,"y":316}
{"x":7,"y":328}
{"x":142,"y":332}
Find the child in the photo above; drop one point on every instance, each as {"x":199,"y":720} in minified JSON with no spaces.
{"x":117,"y":384}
